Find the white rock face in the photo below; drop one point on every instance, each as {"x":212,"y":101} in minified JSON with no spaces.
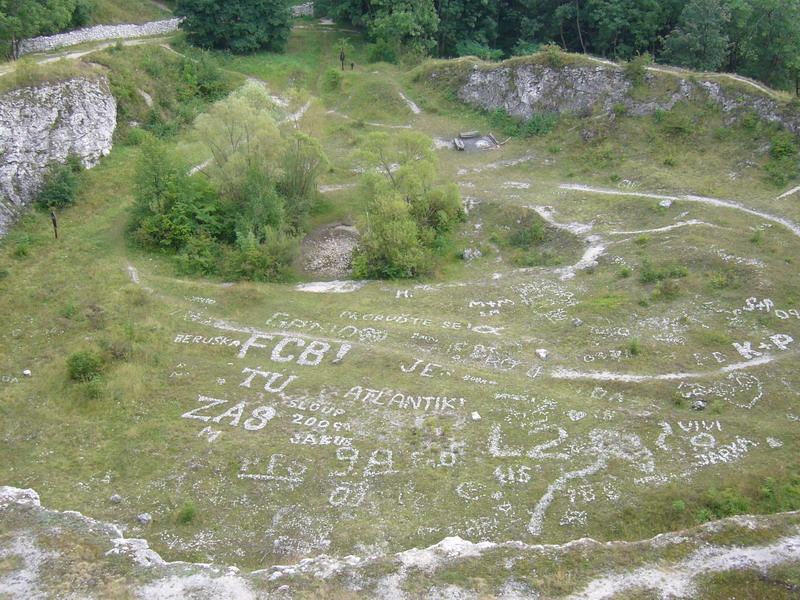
{"x":303,"y":10}
{"x":45,"y":123}
{"x":97,"y":34}
{"x":527,"y":89}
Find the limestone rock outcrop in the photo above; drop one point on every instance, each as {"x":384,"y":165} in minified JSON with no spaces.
{"x":46,"y":123}
{"x":524,"y":88}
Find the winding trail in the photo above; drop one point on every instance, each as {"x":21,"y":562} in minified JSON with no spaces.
{"x":76,"y":55}
{"x":665,"y":229}
{"x":789,"y":193}
{"x":572,"y":374}
{"x":411,"y":104}
{"x":678,"y":72}
{"x":590,"y":256}
{"x":790,"y":225}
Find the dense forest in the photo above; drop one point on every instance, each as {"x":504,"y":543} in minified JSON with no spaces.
{"x":757,"y":38}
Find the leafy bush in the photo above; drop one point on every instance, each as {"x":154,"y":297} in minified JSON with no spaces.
{"x":679,"y":506}
{"x":554,"y":56}
{"x":636,"y":69}
{"x":482,"y":51}
{"x":523,"y":48}
{"x":267,"y":260}
{"x":538,"y":124}
{"x":721,"y":504}
{"x":238,"y":27}
{"x":60,"y":184}
{"x":332,"y":80}
{"x":408,"y":216}
{"x":390,"y":246}
{"x":200,"y":255}
{"x":81,"y":14}
{"x":85,"y":365}
{"x":242,"y":219}
{"x":674,"y":123}
{"x":721,"y":280}
{"x":303,"y":161}
{"x":783,"y":163}
{"x":382,"y":51}
{"x":532,"y":232}
{"x":667,"y":290}
{"x":438,"y":210}
{"x":650,"y":274}
{"x":186,"y":513}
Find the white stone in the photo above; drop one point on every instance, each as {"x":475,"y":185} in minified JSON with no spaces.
{"x":665,"y":203}
{"x":542,"y":353}
{"x":96,"y":34}
{"x":46,"y":123}
{"x":27,"y":373}
{"x":303,"y":10}
{"x":476,"y":416}
{"x":145,"y":518}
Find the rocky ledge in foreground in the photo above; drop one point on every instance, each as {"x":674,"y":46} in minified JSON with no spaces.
{"x":47,"y":553}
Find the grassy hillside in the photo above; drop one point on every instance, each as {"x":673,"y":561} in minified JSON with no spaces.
{"x":630,"y":371}
{"x":111,"y":12}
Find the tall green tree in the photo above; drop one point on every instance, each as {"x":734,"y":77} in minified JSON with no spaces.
{"x":21,"y":19}
{"x":408,"y":24}
{"x":700,"y":41}
{"x":464,"y":22}
{"x":240,"y":26}
{"x":772,"y":45}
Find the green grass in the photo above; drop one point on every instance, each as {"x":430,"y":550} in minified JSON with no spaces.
{"x":29,"y":74}
{"x":110,"y":12}
{"x":125,"y":433}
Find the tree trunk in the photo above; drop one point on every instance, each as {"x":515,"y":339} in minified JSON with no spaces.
{"x":578,"y":23}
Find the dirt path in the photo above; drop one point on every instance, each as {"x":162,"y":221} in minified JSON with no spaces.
{"x":572,"y":374}
{"x":162,"y":6}
{"x":678,"y":72}
{"x":411,"y":104}
{"x":370,"y":123}
{"x":789,"y":193}
{"x":77,"y":55}
{"x":677,"y":225}
{"x":790,"y":225}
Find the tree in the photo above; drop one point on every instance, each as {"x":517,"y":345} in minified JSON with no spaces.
{"x":390,"y":247}
{"x":21,"y":19}
{"x":700,"y":41}
{"x":408,"y":214}
{"x":772,"y":46}
{"x":410,"y":24}
{"x":242,"y":136}
{"x":471,"y":23}
{"x":303,"y":161}
{"x":241,"y":26}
